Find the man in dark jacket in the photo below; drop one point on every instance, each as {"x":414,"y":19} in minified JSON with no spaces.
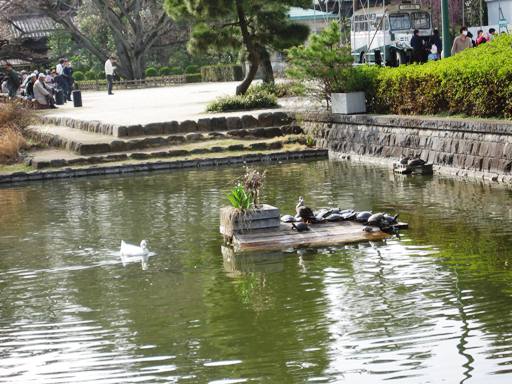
{"x":13,"y":80}
{"x":418,"y":49}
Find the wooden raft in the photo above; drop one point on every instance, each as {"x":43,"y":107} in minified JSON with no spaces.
{"x":325,"y":234}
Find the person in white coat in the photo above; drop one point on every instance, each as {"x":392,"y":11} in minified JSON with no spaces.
{"x":109,"y":73}
{"x":42,"y":94}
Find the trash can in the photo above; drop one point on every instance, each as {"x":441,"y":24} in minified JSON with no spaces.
{"x":59,"y":97}
{"x":77,"y":98}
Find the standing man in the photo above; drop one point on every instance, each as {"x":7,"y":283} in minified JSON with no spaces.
{"x":68,"y":78}
{"x":462,"y":41}
{"x":418,"y":49}
{"x":109,"y":72}
{"x":13,"y":80}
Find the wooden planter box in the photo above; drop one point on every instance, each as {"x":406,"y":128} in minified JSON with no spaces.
{"x":348,"y":103}
{"x":263,"y":217}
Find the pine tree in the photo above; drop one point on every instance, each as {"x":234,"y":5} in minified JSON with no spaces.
{"x":256,"y":26}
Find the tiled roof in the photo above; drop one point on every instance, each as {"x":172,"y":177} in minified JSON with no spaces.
{"x":31,"y":26}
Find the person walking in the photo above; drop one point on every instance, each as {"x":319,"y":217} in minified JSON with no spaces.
{"x":13,"y":80}
{"x":68,"y":77}
{"x":109,"y":73}
{"x":461,"y":42}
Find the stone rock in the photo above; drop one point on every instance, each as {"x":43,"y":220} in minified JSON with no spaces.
{"x":170,"y":127}
{"x":193,"y":136}
{"x":238,"y":133}
{"x":90,"y":149}
{"x":196,"y":151}
{"x":188,"y":126}
{"x":139,"y":156}
{"x":258,"y":146}
{"x":275,"y":145}
{"x":216,"y":149}
{"x":216,"y":135}
{"x":57,"y":163}
{"x":177,"y":152}
{"x":266,"y":119}
{"x":118,"y":146}
{"x":152,"y":142}
{"x":249,"y":121}
{"x":218,"y":124}
{"x":236,"y":147}
{"x":281,"y":118}
{"x":134,"y":130}
{"x":233,"y":122}
{"x":153,"y":129}
{"x":292,"y":129}
{"x":176,"y":139}
{"x":204,"y":125}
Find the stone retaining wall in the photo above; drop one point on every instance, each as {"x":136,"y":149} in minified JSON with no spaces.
{"x":161,"y":165}
{"x":481,"y":148}
{"x":270,"y":119}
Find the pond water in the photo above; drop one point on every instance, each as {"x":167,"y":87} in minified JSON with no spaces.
{"x":432,"y":306}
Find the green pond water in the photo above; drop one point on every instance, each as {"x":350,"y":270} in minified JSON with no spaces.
{"x":433,"y":306}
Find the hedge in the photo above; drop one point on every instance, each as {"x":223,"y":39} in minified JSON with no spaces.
{"x":475,"y":82}
{"x":191,"y":69}
{"x":78,"y":75}
{"x":151,"y":72}
{"x":243,"y":102}
{"x":164,"y":71}
{"x":193,"y":78}
{"x":229,"y":72}
{"x":90,"y":75}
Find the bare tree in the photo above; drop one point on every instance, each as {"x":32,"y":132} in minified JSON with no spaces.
{"x":136,"y":26}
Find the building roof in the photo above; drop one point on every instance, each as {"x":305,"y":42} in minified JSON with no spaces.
{"x":296,"y":13}
{"x":31,"y":26}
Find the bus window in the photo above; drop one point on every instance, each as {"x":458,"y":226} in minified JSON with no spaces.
{"x":400,"y":21}
{"x":420,"y":20}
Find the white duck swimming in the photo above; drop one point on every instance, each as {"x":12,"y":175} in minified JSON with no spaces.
{"x":134,"y":250}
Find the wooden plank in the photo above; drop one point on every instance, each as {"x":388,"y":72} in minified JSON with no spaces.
{"x":319,"y":235}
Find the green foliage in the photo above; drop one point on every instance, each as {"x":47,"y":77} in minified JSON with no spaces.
{"x":310,"y":141}
{"x":243,"y":102}
{"x":192,"y":68}
{"x":288,"y":89}
{"x":164,"y":71}
{"x":222,"y":72}
{"x":101,"y":75}
{"x":324,"y":63}
{"x":90,"y":75}
{"x":176,"y":71}
{"x":257,"y":26}
{"x":475,"y":82}
{"x":193,"y":78}
{"x":239,"y":198}
{"x":78,"y":76}
{"x":151,"y":72}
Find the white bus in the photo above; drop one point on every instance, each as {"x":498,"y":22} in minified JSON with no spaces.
{"x":382,"y":35}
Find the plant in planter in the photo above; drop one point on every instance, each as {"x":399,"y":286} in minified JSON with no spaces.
{"x":327,"y":67}
{"x":245,"y":212}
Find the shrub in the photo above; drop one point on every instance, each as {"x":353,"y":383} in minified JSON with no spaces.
{"x":164,"y":71}
{"x":176,"y":71}
{"x":13,"y":120}
{"x":90,"y":75}
{"x":475,"y":82}
{"x":151,"y":72}
{"x":100,"y":75}
{"x":222,"y":72}
{"x":323,"y":63}
{"x":192,"y":69}
{"x":287,"y":89}
{"x":78,"y":75}
{"x":243,"y":102}
{"x":193,"y":78}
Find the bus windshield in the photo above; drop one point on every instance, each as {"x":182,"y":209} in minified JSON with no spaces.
{"x":420,"y":20}
{"x":400,"y":21}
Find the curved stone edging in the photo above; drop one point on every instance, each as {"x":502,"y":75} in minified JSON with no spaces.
{"x":17,"y":177}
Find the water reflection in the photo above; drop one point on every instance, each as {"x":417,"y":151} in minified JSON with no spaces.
{"x":432,"y":306}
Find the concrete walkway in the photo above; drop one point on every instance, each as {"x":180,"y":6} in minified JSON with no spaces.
{"x":149,"y":105}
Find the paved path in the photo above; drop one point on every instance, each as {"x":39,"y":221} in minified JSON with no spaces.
{"x":149,"y":105}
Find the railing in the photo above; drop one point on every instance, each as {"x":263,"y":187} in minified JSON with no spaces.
{"x":149,"y":82}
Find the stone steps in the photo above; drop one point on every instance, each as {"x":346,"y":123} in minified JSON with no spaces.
{"x":88,"y":143}
{"x":51,"y":158}
{"x":207,"y":124}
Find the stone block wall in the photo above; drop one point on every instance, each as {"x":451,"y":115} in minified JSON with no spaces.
{"x":478,"y":146}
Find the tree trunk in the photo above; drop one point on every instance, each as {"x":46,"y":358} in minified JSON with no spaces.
{"x":266,"y":67}
{"x":253,"y":54}
{"x":254,"y":63}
